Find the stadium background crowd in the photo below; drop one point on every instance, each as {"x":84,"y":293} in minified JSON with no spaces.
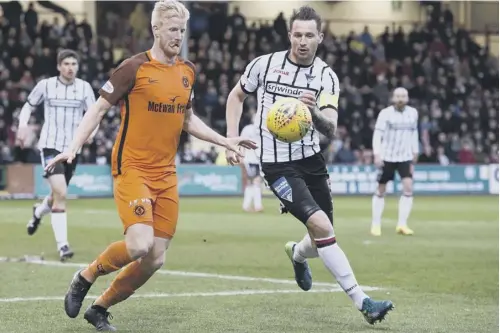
{"x":452,"y":81}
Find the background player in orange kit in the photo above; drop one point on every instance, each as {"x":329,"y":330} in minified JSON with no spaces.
{"x":155,"y":88}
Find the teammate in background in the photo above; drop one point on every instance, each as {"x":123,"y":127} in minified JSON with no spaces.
{"x":156,"y":90}
{"x":395,"y":148}
{"x":65,"y":99}
{"x":253,"y":191}
{"x":296,"y":173}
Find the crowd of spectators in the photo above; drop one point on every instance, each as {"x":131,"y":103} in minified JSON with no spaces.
{"x":452,"y":81}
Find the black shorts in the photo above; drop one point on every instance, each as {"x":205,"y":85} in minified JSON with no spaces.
{"x":388,"y":171}
{"x":68,"y":170}
{"x":252,"y":170}
{"x":302,"y":186}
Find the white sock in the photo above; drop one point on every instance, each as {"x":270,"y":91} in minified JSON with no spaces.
{"x":405,"y":204}
{"x":43,"y":209}
{"x":378,"y":204}
{"x":257,"y":196}
{"x":305,"y":249}
{"x":60,"y":228}
{"x":336,"y":262}
{"x":247,"y":197}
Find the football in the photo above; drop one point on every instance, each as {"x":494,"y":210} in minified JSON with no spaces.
{"x":289,"y":120}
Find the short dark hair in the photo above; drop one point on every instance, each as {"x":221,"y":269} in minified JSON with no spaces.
{"x":306,"y":13}
{"x":66,"y":53}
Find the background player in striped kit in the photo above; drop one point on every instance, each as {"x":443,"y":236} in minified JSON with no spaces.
{"x":296,"y":173}
{"x":65,"y":99}
{"x":395,"y":148}
{"x":251,"y":166}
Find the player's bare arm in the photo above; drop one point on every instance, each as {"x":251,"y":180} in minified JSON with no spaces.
{"x":234,"y":110}
{"x":324,"y":120}
{"x":196,"y":127}
{"x":24,"y":117}
{"x":89,"y":123}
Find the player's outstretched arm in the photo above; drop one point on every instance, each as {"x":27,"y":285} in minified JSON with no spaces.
{"x":197,"y":128}
{"x":234,"y":110}
{"x":89,"y":122}
{"x":325,"y":120}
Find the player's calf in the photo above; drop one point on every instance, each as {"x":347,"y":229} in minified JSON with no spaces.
{"x":405,"y":206}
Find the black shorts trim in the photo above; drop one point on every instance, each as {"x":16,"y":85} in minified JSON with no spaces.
{"x":387,"y":172}
{"x":68,"y":170}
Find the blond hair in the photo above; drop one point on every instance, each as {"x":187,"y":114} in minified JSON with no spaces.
{"x":165,"y":9}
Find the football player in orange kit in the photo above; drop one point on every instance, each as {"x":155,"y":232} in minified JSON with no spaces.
{"x":155,"y":88}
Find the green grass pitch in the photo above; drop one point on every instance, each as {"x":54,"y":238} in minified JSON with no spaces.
{"x":443,"y":279}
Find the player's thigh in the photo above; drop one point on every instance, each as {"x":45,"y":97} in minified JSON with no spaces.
{"x":252,"y":171}
{"x":58,"y":186}
{"x":133,"y":200}
{"x":319,"y":187}
{"x":47,"y":155}
{"x":166,"y":210}
{"x":294,"y":194}
{"x":405,"y":170}
{"x":386,"y":173}
{"x":70,"y":168}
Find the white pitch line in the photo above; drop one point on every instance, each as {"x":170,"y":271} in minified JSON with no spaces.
{"x":167,"y":295}
{"x":206,"y":275}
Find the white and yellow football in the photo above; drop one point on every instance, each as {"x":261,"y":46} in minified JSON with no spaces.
{"x":289,"y":119}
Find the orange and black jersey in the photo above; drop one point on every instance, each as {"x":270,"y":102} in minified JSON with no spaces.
{"x":154,"y":98}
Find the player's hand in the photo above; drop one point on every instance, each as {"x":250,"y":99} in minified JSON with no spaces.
{"x":378,"y":162}
{"x":22,"y":135}
{"x":233,"y":152}
{"x":232,"y":158}
{"x":308,"y":99}
{"x":67,"y":157}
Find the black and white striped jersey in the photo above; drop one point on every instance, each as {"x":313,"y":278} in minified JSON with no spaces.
{"x":64,"y":106}
{"x":395,"y":138}
{"x":275,"y":76}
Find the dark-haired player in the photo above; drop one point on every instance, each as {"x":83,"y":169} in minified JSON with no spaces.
{"x":296,"y":172}
{"x":65,"y":99}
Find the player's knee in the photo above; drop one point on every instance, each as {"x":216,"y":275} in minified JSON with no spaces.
{"x":158,"y":262}
{"x":139,"y":248}
{"x":407,"y":187}
{"x":319,"y":225}
{"x":380,"y":190}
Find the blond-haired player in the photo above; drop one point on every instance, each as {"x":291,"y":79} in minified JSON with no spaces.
{"x":156,"y":90}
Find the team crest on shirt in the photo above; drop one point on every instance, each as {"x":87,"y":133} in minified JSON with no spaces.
{"x":108,"y":87}
{"x":310,"y":77}
{"x":185,"y":82}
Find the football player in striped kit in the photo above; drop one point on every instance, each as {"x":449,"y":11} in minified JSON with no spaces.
{"x":395,"y":148}
{"x":65,"y":99}
{"x":296,"y":172}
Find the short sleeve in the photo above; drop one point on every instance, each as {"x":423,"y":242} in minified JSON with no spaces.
{"x":89,"y":95}
{"x":37,"y":95}
{"x":249,"y":81}
{"x":190,"y":102}
{"x":330,"y":89}
{"x":381,"y":123}
{"x":120,"y":82}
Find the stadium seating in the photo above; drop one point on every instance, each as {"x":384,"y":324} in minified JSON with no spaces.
{"x":452,"y":81}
